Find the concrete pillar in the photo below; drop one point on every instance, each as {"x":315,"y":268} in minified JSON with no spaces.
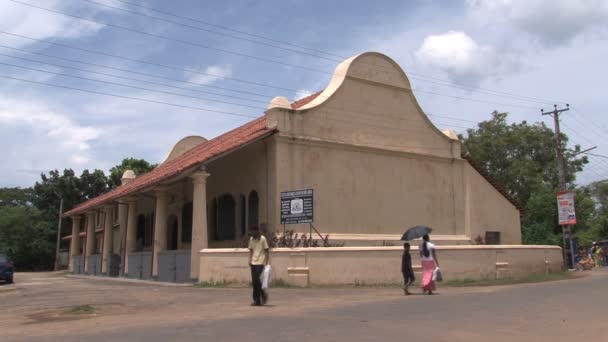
{"x":160,"y":227}
{"x":90,"y":247}
{"x":107,"y":238}
{"x":131,"y":230}
{"x":74,"y":242}
{"x":122,"y":221}
{"x":200,"y":239}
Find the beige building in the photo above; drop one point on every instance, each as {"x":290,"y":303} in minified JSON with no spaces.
{"x":375,"y":162}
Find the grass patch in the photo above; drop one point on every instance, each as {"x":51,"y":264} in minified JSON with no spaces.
{"x":213,"y":284}
{"x":79,"y":310}
{"x":280,"y":283}
{"x":533,"y":278}
{"x":276,"y":283}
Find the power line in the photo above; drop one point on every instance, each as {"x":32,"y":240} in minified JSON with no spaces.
{"x":425,"y":78}
{"x":175,"y":87}
{"x":170,"y":104}
{"x":177,"y":40}
{"x":578,"y":134}
{"x":207,"y":30}
{"x":471,"y":88}
{"x":210,"y":47}
{"x":181,"y":88}
{"x":129,"y":78}
{"x":470,"y":99}
{"x":593,"y":125}
{"x":452,"y":118}
{"x":128,"y":86}
{"x":128,"y":97}
{"x":597,"y":170}
{"x":596,"y":155}
{"x":175,"y":94}
{"x":233,"y":79}
{"x":147,"y":8}
{"x":145,"y":62}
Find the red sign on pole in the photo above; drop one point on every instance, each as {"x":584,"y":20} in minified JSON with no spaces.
{"x":565,"y":208}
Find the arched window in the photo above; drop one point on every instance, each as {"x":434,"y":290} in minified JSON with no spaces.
{"x":212,"y":220}
{"x":226,"y":218}
{"x":187,"y":222}
{"x":172,"y":226}
{"x":242,"y":215}
{"x":141,"y":233}
{"x":254,"y":209}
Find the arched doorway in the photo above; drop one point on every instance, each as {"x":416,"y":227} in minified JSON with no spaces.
{"x":253,"y":209}
{"x":226,"y":218}
{"x":172,"y":226}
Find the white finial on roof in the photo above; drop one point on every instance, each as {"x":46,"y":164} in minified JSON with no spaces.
{"x":279,"y":102}
{"x":450,"y":134}
{"x":127,"y":176}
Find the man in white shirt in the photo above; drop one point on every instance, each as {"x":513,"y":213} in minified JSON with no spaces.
{"x":258,"y":258}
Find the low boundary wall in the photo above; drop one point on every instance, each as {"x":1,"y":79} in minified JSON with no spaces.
{"x":379,"y":265}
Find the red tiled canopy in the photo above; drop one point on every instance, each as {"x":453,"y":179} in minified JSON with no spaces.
{"x":199,"y":154}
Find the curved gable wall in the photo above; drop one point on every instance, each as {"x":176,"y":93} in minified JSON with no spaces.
{"x":368,"y":102}
{"x":376,"y":162}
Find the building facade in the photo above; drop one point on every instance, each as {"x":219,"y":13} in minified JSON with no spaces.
{"x":375,"y":162}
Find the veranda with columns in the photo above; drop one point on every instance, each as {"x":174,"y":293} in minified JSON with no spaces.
{"x":158,"y":232}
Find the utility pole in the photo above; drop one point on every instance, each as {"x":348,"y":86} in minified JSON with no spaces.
{"x":561,"y":171}
{"x":58,"y":235}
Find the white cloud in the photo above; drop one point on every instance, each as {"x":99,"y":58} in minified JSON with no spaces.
{"x":462,"y":58}
{"x":550,"y":22}
{"x":41,"y":140}
{"x":39,"y":24}
{"x":208,"y":75}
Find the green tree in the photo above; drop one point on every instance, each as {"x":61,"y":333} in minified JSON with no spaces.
{"x":93,"y":184}
{"x":596,"y":227}
{"x":139,"y":166}
{"x":540,"y":221}
{"x":14,"y":197}
{"x":73,"y":190}
{"x":521,"y":156}
{"x":27,"y":236}
{"x":55,"y":186}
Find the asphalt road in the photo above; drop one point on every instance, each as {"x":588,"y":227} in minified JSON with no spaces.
{"x":554,"y":311}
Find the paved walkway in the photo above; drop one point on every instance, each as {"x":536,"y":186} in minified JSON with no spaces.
{"x":555,"y":311}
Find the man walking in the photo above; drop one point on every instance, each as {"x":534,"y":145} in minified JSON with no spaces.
{"x":258,"y":258}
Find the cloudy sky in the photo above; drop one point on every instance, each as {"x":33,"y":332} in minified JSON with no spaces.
{"x":215,"y":64}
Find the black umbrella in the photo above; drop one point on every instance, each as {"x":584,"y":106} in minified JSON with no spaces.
{"x":416,"y":232}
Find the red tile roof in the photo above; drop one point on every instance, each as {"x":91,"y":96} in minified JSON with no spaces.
{"x":499,"y":187}
{"x":69,"y":237}
{"x":195,"y":156}
{"x":305,"y":100}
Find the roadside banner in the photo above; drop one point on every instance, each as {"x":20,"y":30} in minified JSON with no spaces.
{"x":565,"y":208}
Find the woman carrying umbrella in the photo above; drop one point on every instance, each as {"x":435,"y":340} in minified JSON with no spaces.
{"x":428,"y":257}
{"x":429,"y":264}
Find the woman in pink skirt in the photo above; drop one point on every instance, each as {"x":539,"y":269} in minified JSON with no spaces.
{"x":429,"y":263}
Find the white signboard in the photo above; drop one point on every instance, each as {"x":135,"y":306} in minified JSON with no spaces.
{"x":565,"y":208}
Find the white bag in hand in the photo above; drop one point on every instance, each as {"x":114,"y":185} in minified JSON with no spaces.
{"x":265,"y":276}
{"x":437,"y":274}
